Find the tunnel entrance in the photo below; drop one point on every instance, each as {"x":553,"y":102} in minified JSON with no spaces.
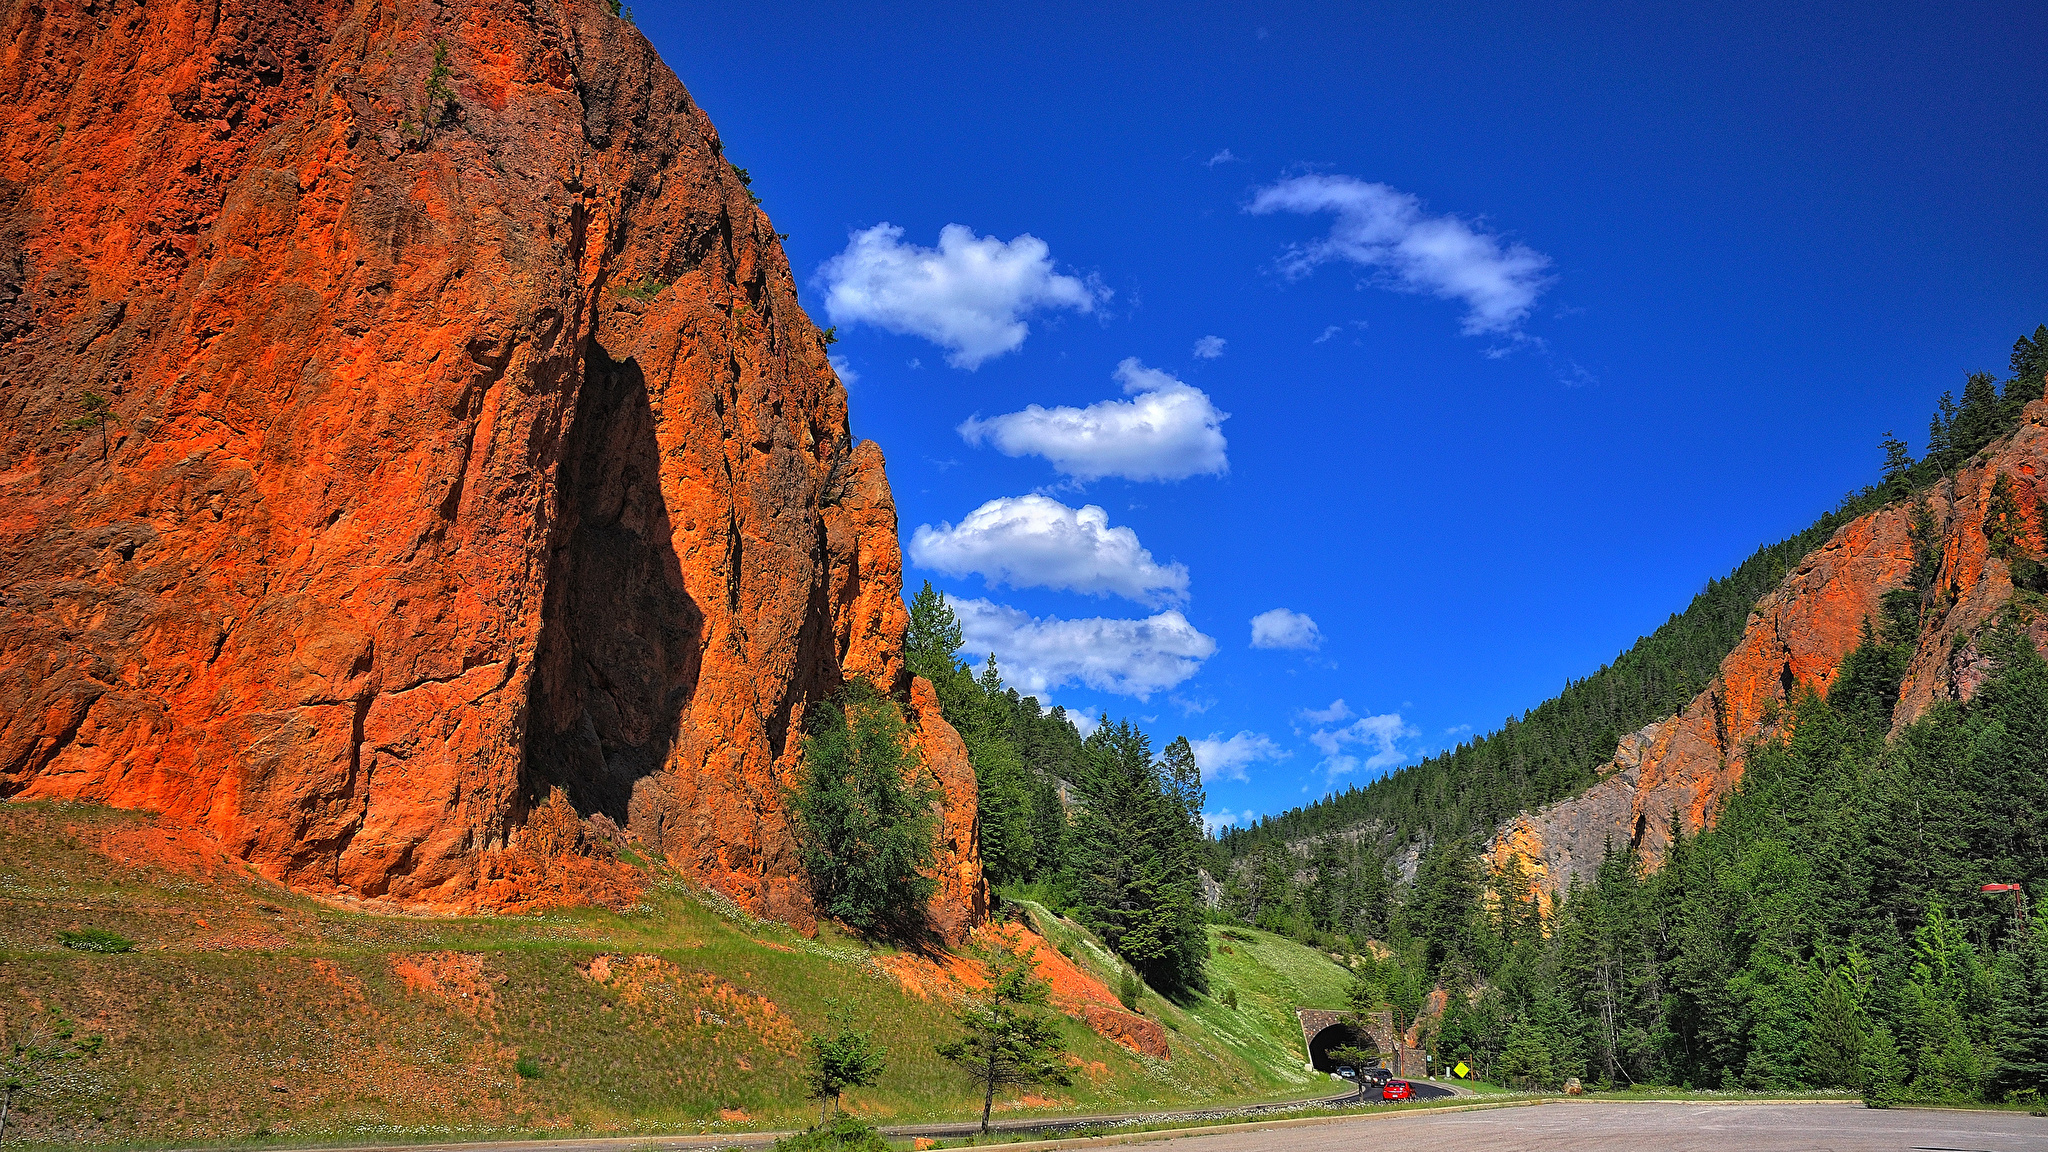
{"x":1338,"y":1036}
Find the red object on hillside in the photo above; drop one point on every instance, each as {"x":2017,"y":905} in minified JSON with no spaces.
{"x":2019,"y":897}
{"x":1397,"y":1090}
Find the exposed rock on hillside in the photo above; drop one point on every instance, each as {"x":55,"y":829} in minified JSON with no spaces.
{"x":467,"y":441}
{"x":1798,"y":635}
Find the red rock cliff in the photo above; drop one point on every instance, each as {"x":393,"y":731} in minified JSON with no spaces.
{"x":1798,"y":635}
{"x":468,"y":441}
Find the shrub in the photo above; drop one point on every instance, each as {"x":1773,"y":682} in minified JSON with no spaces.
{"x":1129,"y":988}
{"x":527,"y":1067}
{"x":844,"y":1134}
{"x":644,"y":289}
{"x":96,"y":940}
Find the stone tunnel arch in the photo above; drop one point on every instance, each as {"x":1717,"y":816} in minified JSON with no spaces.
{"x":1323,"y":1029}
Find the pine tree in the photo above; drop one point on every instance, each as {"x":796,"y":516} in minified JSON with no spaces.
{"x":1005,"y":1042}
{"x":1527,"y":1062}
{"x":1133,"y":853}
{"x":863,"y":814}
{"x":1882,"y":1069}
{"x":1835,"y":1031}
{"x":2021,"y":1034}
{"x":1898,"y":466}
{"x":2029,"y":369}
{"x":934,"y":635}
{"x":848,"y":1058}
{"x":1445,"y":900}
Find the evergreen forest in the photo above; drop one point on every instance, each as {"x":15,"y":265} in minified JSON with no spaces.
{"x":1829,"y":930}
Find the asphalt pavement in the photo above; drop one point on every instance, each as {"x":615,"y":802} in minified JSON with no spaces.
{"x":1554,"y":1126}
{"x":1604,"y":1126}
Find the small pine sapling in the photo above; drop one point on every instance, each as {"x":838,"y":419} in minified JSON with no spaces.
{"x":1006,"y":1042}
{"x":848,"y":1058}
{"x":99,"y":412}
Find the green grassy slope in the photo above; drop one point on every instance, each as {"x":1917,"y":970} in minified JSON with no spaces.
{"x":1271,"y":975}
{"x":247,"y":1013}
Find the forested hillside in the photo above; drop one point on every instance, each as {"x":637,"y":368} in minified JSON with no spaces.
{"x":1097,"y":828}
{"x":1830,"y":929}
{"x":1554,"y":750}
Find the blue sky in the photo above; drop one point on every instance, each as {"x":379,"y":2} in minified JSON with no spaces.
{"x":1476,"y":338}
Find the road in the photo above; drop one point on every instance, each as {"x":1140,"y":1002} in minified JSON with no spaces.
{"x":1080,"y":1125}
{"x":1561,"y":1126}
{"x":1595,"y":1126}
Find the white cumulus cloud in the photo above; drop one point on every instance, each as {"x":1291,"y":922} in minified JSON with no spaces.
{"x":1280,"y":628}
{"x":1209,"y":347}
{"x":1038,"y":542}
{"x":1227,"y":759}
{"x":1377,"y":737}
{"x":844,"y":368}
{"x":970,"y":295}
{"x":1126,"y":657}
{"x":1167,"y":430}
{"x":1387,"y":230}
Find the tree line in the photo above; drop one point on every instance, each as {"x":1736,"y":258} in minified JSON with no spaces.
{"x":1101,"y":828}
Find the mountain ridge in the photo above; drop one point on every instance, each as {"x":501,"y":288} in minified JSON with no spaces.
{"x":1599,"y":729}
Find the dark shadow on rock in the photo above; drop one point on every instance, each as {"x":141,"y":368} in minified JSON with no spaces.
{"x":621,"y":641}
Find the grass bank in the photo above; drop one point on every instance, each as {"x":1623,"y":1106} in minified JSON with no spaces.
{"x":248,"y":1015}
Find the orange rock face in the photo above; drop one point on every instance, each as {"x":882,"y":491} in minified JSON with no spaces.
{"x":1798,"y":635}
{"x":467,"y":441}
{"x":961,"y":901}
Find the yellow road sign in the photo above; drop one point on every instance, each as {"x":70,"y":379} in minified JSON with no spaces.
{"x":1461,"y":1070}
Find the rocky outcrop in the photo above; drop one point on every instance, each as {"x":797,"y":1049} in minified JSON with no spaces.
{"x":961,"y":900}
{"x":1137,"y":1033}
{"x":1798,"y":636}
{"x":466,"y":441}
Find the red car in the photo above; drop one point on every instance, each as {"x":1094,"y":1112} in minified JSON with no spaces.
{"x":1397,"y":1090}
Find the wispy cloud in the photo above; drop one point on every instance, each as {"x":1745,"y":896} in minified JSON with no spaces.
{"x":1227,"y":759}
{"x":1387,"y":230}
{"x":1226,"y":156}
{"x":1209,"y":347}
{"x":1378,"y":738}
{"x":1338,"y":710}
{"x":1214,"y":822}
{"x":971,"y":295}
{"x":1280,"y":628}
